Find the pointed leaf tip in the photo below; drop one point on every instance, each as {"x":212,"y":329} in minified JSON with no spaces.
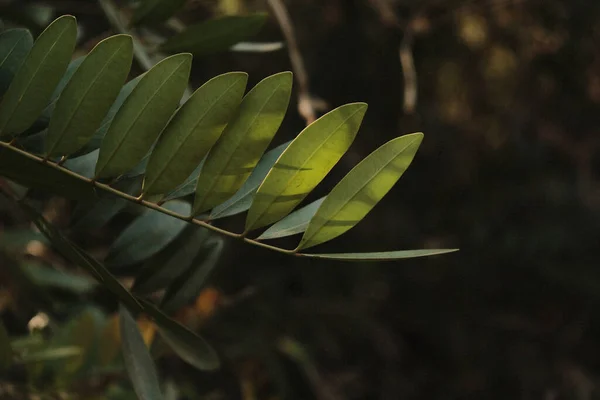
{"x":361,"y":189}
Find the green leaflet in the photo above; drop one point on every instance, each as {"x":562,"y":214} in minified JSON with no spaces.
{"x":361,"y":189}
{"x":138,"y":362}
{"x":193,"y":131}
{"x":88,"y":96}
{"x":190,"y":347}
{"x":242,"y":199}
{"x":24,"y":170}
{"x":306,"y":161}
{"x":244,"y":140}
{"x":188,"y":186}
{"x":83,"y":165}
{"x":172,"y":261}
{"x":294,"y":223}
{"x":147,"y":235}
{"x":156,"y":11}
{"x":98,"y":137}
{"x":6,"y":351}
{"x":49,"y":110}
{"x":15,"y":44}
{"x":216,"y":34}
{"x":187,"y":286}
{"x":143,"y":116}
{"x":37,"y":78}
{"x":380,"y":256}
{"x":78,"y":257}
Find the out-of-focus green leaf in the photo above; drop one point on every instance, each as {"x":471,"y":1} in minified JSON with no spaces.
{"x":193,"y":131}
{"x":216,"y":34}
{"x":186,"y":344}
{"x":242,"y":199}
{"x":246,"y":137}
{"x":296,"y":222}
{"x":143,"y":116}
{"x":78,"y":257}
{"x":37,"y":78}
{"x":139,"y":363}
{"x":156,"y":11}
{"x":172,"y":261}
{"x":380,"y":256}
{"x":15,"y":44}
{"x":49,"y":277}
{"x":306,"y":161}
{"x":6,"y":351}
{"x":33,"y":174}
{"x":89,"y":95}
{"x":361,"y":189}
{"x":147,"y":235}
{"x":188,"y":285}
{"x":51,"y":354}
{"x":18,"y":239}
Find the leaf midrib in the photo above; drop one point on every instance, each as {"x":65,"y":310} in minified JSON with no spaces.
{"x":70,"y":120}
{"x":187,"y":136}
{"x":123,"y":139}
{"x":301,"y":166}
{"x":360,"y":188}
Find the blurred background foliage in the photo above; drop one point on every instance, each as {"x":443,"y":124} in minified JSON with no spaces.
{"x":507,"y":93}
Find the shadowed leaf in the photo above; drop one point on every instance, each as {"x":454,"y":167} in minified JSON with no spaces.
{"x":186,"y":344}
{"x":138,"y":362}
{"x":15,"y":44}
{"x":156,"y":11}
{"x":147,"y":235}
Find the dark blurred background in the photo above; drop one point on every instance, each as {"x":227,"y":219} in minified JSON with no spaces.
{"x":508,"y":96}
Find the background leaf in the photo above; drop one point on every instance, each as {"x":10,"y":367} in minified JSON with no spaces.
{"x":193,"y":131}
{"x":172,"y":261}
{"x":147,"y":235}
{"x":361,"y":189}
{"x":243,"y":142}
{"x":37,"y":78}
{"x":139,"y":363}
{"x":156,"y":11}
{"x":190,"y":347}
{"x":89,"y":94}
{"x":143,"y":116}
{"x":216,"y":34}
{"x":6,"y":351}
{"x":306,"y":161}
{"x":15,"y":44}
{"x":188,"y":285}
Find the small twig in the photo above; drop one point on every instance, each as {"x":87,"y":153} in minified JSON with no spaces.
{"x":114,"y":17}
{"x":408,"y":71}
{"x":306,"y":107}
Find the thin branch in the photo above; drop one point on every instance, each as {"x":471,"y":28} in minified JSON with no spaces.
{"x":148,"y":204}
{"x":306,"y":108}
{"x":114,"y":17}
{"x":408,"y":71}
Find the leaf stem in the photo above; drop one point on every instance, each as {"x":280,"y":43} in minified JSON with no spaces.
{"x":153,"y":206}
